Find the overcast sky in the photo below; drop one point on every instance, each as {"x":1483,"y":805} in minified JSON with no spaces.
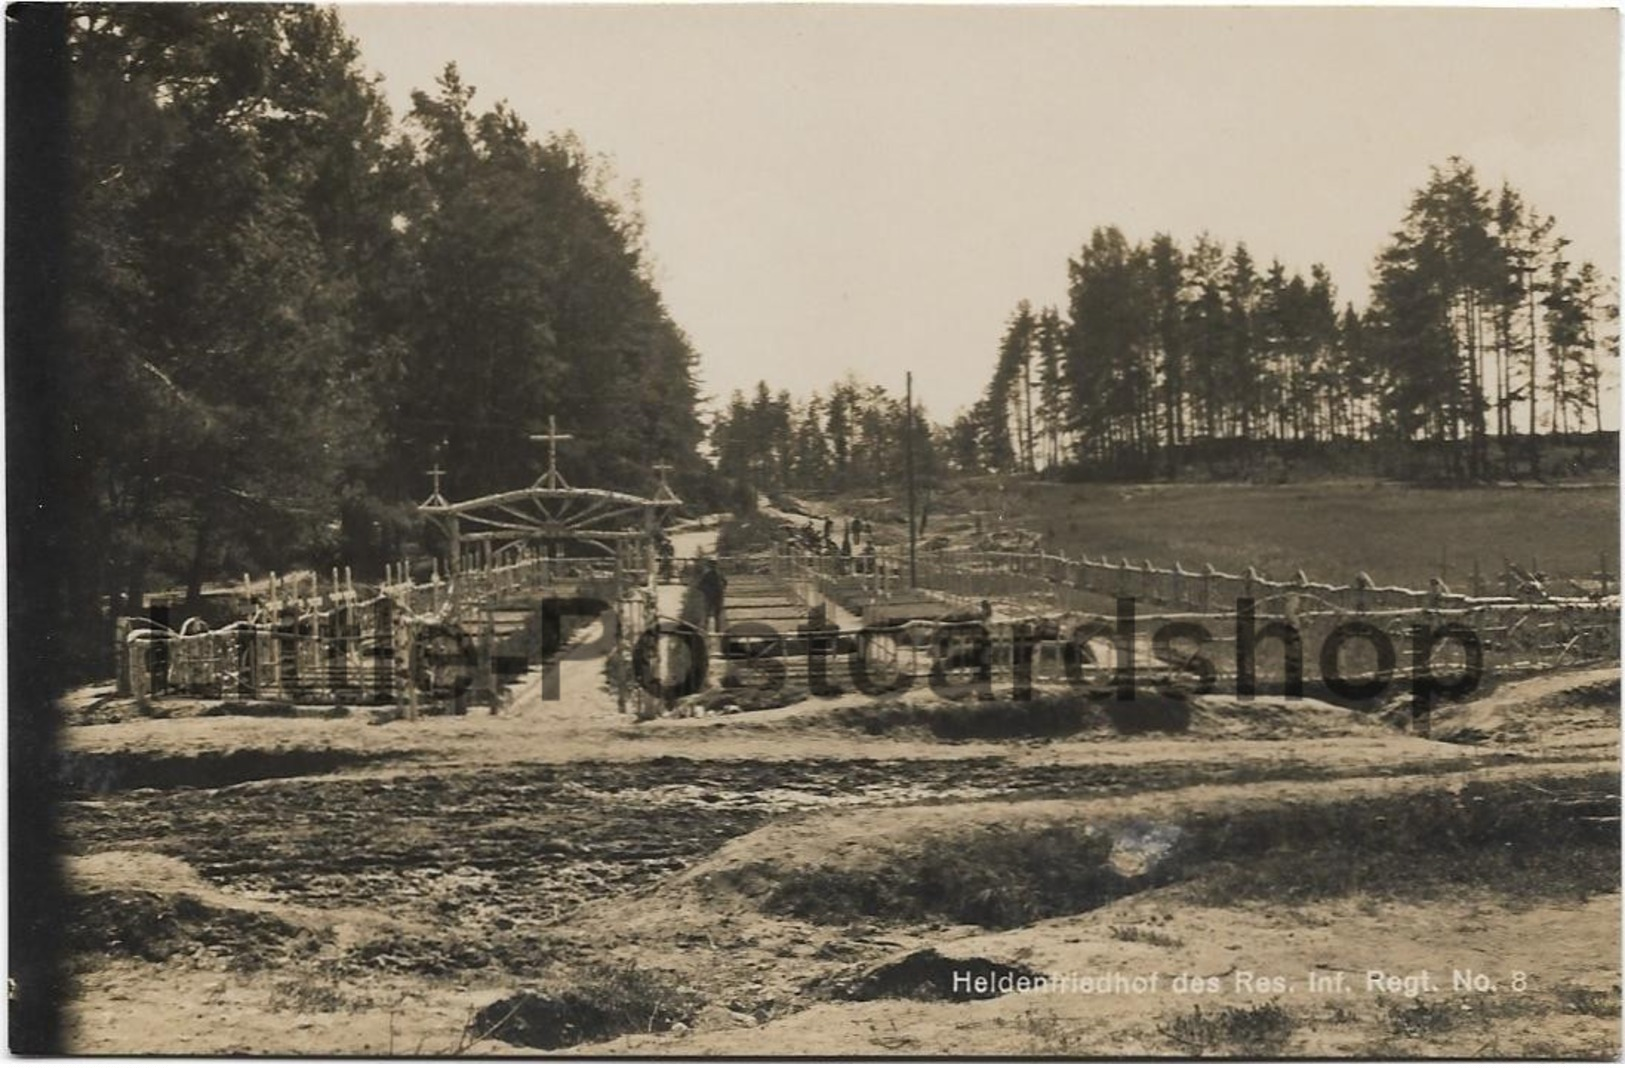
{"x":874,"y":188}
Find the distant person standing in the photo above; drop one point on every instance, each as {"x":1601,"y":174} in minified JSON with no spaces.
{"x":666,"y":551}
{"x":713,"y":587}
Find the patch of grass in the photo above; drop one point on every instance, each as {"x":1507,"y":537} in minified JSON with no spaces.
{"x":1048,"y":716}
{"x":1532,"y":841}
{"x":1341,"y":1015}
{"x":1044,"y":717}
{"x":1261,"y":1030}
{"x":404,"y":953}
{"x":1593,"y":695}
{"x":926,"y":975}
{"x":617,"y":1002}
{"x":1148,"y":935}
{"x":1052,"y":1037}
{"x":159,"y":927}
{"x":112,"y":771}
{"x":1584,"y":1001}
{"x":728,"y":700}
{"x":312,"y":994}
{"x":993,"y":877}
{"x":275,"y":710}
{"x":1418,"y":1018}
{"x":451,"y":954}
{"x":1332,"y":530}
{"x":1551,"y":1051}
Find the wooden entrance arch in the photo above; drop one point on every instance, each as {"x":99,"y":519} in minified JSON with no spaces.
{"x":552,"y":514}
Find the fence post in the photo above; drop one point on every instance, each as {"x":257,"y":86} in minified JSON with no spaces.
{"x":411,"y":675}
{"x":318,"y":661}
{"x":121,"y":656}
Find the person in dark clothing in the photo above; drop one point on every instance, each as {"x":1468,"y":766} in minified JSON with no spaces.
{"x":713,"y":587}
{"x":666,"y":551}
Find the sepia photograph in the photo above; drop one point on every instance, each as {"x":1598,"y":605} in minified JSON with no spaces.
{"x":827,"y":530}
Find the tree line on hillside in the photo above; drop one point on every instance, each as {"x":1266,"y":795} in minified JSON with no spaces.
{"x":281,"y":306}
{"x":853,"y":438}
{"x":1479,"y":327}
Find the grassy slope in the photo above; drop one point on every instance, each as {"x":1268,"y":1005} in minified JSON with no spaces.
{"x":1331,"y":530}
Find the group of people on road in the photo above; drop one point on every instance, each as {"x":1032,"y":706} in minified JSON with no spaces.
{"x":855,"y":532}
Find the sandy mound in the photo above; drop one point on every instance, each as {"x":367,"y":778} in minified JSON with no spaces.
{"x":1057,"y":715}
{"x":1270,"y":718}
{"x":1001,"y":864}
{"x":1576,"y":710}
{"x":157,"y":926}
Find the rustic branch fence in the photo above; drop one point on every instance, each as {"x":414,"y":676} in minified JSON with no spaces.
{"x":1521,"y":630}
{"x":304,"y":641}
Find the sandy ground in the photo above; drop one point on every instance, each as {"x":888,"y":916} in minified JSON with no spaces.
{"x":340,"y":885}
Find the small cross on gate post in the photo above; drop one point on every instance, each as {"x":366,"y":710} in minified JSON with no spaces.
{"x":551,"y":478}
{"x":661,"y":470}
{"x":435,"y":499}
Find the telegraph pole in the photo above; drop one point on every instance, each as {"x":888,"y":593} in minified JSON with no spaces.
{"x":908,"y":467}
